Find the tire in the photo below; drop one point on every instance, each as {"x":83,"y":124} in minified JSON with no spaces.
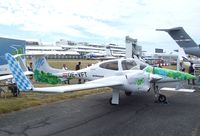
{"x":14,"y":90}
{"x":162,"y":98}
{"x":127,"y":93}
{"x":110,"y":101}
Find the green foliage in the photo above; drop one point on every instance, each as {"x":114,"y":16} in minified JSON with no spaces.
{"x":18,"y":51}
{"x":46,"y":77}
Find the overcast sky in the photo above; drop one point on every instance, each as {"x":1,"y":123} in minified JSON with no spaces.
{"x":99,"y":21}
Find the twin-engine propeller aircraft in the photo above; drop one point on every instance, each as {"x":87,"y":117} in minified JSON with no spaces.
{"x":120,"y":74}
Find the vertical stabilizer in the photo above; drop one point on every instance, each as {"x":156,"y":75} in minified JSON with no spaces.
{"x":40,"y":63}
{"x":108,"y":51}
{"x":21,"y":80}
{"x":180,"y":37}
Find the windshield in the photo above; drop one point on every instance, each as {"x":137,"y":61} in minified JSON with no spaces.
{"x":113,"y":65}
{"x":128,"y":64}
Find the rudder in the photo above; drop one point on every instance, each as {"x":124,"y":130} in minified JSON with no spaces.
{"x":23,"y":83}
{"x":180,"y":37}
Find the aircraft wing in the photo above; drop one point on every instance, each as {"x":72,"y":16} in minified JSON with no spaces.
{"x":11,"y":76}
{"x":104,"y":82}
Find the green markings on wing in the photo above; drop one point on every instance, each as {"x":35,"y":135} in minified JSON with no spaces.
{"x":169,"y":73}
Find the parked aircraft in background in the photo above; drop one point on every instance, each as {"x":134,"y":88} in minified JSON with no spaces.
{"x":93,"y":55}
{"x":105,"y":55}
{"x":125,"y":75}
{"x":183,"y":40}
{"x":187,"y":60}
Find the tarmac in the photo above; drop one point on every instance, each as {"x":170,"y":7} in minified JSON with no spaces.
{"x":92,"y":115}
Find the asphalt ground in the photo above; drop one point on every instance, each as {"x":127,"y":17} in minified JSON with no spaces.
{"x":92,"y":115}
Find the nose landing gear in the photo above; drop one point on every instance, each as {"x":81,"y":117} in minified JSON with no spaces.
{"x":160,"y":97}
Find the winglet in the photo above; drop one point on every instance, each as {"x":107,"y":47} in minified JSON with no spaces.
{"x":23,"y":83}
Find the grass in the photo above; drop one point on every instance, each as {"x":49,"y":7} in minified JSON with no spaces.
{"x":8,"y":103}
{"x":70,"y":63}
{"x":30,"y":99}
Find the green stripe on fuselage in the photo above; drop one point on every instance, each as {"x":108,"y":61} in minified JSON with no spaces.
{"x":169,"y":73}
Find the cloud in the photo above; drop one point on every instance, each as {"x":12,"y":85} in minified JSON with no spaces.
{"x":106,"y":19}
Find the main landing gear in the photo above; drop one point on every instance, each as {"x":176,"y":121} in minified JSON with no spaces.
{"x":128,"y":93}
{"x":160,"y":98}
{"x":14,"y":89}
{"x":114,"y":100}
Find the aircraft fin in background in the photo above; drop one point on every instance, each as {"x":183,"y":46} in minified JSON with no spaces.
{"x":108,"y":51}
{"x":181,"y":54}
{"x":40,"y":63}
{"x":23,"y":83}
{"x":21,"y":63}
{"x":180,"y":36}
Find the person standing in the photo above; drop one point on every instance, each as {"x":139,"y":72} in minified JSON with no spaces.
{"x":30,"y":67}
{"x":78,"y":67}
{"x":182,"y":68}
{"x":191,"y":71}
{"x":64,"y":67}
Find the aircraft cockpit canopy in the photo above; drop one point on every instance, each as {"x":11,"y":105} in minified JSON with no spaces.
{"x":111,"y":65}
{"x":128,"y":64}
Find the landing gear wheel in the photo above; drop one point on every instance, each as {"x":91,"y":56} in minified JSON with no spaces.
{"x":162,"y":98}
{"x":14,"y":90}
{"x":110,"y":101}
{"x":127,"y":93}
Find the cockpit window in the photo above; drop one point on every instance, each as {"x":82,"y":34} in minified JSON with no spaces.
{"x":113,"y":65}
{"x":128,"y":64}
{"x":142,"y":66}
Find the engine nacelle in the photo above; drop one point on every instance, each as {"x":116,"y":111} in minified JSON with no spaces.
{"x":137,"y":81}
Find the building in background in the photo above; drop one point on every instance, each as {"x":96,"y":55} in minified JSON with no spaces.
{"x":65,"y":49}
{"x":158,"y":50}
{"x":12,"y":46}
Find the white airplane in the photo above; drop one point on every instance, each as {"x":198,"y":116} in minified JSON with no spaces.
{"x":120,"y":74}
{"x":43,"y":72}
{"x":94,"y":55}
{"x":186,"y":60}
{"x":105,"y":55}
